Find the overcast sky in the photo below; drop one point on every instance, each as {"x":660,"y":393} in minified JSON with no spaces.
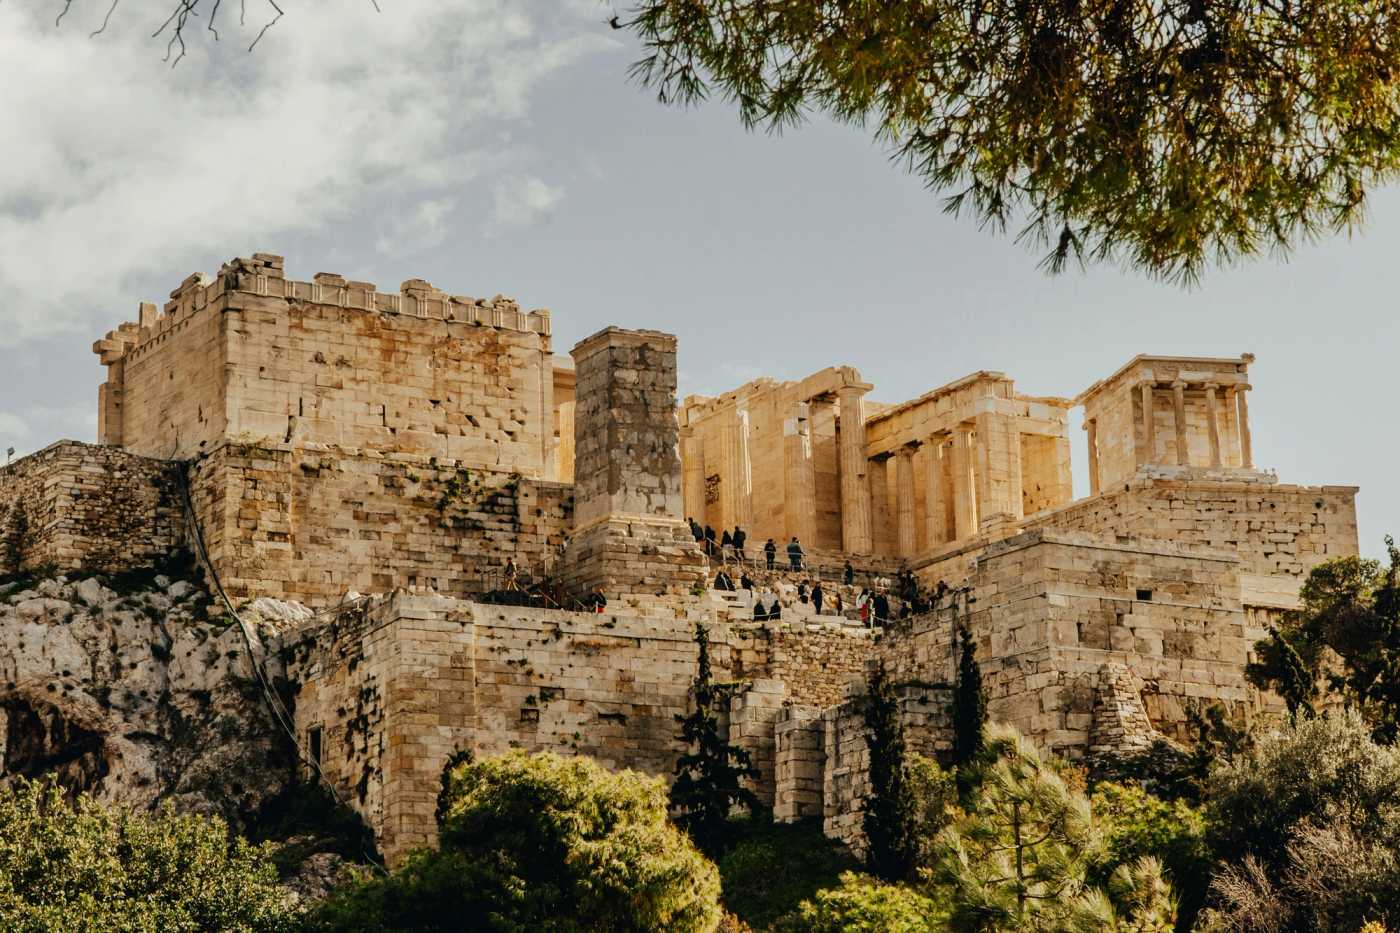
{"x":498,"y":147}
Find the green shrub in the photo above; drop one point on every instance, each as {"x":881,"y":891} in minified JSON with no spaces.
{"x":1135,"y":825}
{"x":80,"y":866}
{"x":862,"y":904}
{"x":534,"y":842}
{"x":771,"y":868}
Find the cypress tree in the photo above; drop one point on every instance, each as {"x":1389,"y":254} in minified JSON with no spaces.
{"x":969,"y":709}
{"x":888,"y":818}
{"x":708,"y":776}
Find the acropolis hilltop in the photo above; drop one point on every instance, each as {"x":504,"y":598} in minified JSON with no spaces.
{"x":382,"y":457}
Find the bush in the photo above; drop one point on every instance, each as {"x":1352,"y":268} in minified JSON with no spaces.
{"x":862,"y":904}
{"x":1137,"y":825}
{"x":81,"y":866}
{"x":534,"y":842}
{"x":1309,"y":828}
{"x":772,"y":868}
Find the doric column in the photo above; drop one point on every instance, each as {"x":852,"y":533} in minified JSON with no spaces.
{"x":856,"y":536}
{"x":904,"y":500}
{"x":1242,"y":409}
{"x":693,"y":470}
{"x":936,"y":507}
{"x":964,"y":492}
{"x":1149,"y":451}
{"x":1091,"y":426}
{"x":998,"y":466}
{"x":800,"y":493}
{"x":1213,"y":424}
{"x":736,"y":483}
{"x":878,"y":471}
{"x":1179,"y":416}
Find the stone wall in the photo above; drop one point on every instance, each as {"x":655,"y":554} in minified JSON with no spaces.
{"x":1277,"y":530}
{"x":314,"y":525}
{"x":252,"y":356}
{"x":928,"y":731}
{"x":392,"y":685}
{"x":82,"y":507}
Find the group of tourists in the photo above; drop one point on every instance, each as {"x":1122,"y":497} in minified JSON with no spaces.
{"x":729,"y":546}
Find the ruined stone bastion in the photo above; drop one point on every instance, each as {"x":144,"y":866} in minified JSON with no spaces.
{"x":381,"y":458}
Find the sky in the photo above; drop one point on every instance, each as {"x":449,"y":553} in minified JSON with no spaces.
{"x":499,"y":147}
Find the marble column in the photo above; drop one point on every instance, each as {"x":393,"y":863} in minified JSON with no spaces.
{"x":1213,"y":424}
{"x":904,"y":500}
{"x":1183,"y":455}
{"x":856,"y":535}
{"x":693,"y":472}
{"x":878,"y":471}
{"x":964,"y":490}
{"x":1091,"y":426}
{"x":1148,"y":453}
{"x":935,"y":503}
{"x":736,"y":483}
{"x":1242,"y":409}
{"x":800,"y":493}
{"x":998,"y":466}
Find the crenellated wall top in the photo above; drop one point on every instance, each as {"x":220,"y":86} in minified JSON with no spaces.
{"x":262,"y":274}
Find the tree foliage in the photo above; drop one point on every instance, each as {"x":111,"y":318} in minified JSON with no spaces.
{"x":969,"y":707}
{"x":538,"y":841}
{"x":862,"y":904}
{"x":888,"y":817}
{"x":79,"y":866}
{"x":1308,"y":831}
{"x":1162,"y":134}
{"x":1135,"y":825}
{"x":1346,"y":635}
{"x":1020,"y":856}
{"x":709,"y":777}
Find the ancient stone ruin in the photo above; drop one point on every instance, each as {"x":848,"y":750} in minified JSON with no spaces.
{"x":326,"y":440}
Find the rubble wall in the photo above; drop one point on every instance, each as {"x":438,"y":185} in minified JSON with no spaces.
{"x":313,"y":525}
{"x":81,"y":506}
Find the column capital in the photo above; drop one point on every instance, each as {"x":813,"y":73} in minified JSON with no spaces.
{"x":855,"y":388}
{"x":1242,"y":387}
{"x":1180,"y":384}
{"x":882,"y":456}
{"x":909,"y":449}
{"x":1211,"y":386}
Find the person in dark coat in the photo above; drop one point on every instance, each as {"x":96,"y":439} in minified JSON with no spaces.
{"x":746,"y":581}
{"x":710,"y":547}
{"x":770,"y":551}
{"x":695,"y":529}
{"x":882,"y":609}
{"x":795,"y":554}
{"x":726,"y":544}
{"x":849,"y":576}
{"x":817,"y":597}
{"x":724,"y":582}
{"x":759,"y":613}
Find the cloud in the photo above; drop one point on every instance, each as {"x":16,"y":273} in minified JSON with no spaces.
{"x":39,"y":425}
{"x":522,"y":200}
{"x":119,"y":167}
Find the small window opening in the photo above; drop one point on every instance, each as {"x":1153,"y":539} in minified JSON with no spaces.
{"x":1144,"y":596}
{"x":313,"y":740}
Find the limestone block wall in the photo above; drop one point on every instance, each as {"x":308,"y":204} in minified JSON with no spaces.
{"x":1051,"y":608}
{"x":816,"y":662}
{"x":1277,"y":530}
{"x":313,"y":525}
{"x":252,"y":356}
{"x":928,"y":731}
{"x":81,"y":506}
{"x":391,"y":685}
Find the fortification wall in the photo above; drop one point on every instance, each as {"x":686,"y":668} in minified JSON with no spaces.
{"x":1277,"y":530}
{"x":1050,"y":608}
{"x":251,"y":356}
{"x":390,"y":687}
{"x":79,"y":506}
{"x":313,"y":525}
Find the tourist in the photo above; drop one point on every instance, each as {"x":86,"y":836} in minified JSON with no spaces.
{"x":849,"y":575}
{"x":724,"y":582}
{"x":759,"y":614}
{"x":881,"y":606}
{"x":696,"y":530}
{"x":710,"y":547}
{"x":598,"y":601}
{"x":770,"y":551}
{"x":740,"y":536}
{"x":726,"y":545}
{"x":838,"y":607}
{"x":746,"y":582}
{"x":795,"y":554}
{"x":802,"y":592}
{"x":817,"y":597}
{"x":863,"y":605}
